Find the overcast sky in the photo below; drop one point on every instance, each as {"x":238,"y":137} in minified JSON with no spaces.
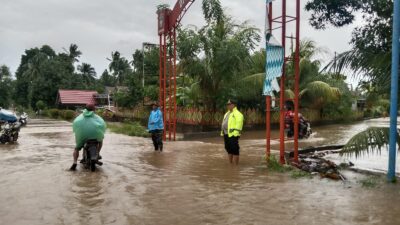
{"x":99,"y":27}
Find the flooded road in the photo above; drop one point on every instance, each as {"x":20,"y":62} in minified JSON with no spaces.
{"x":334,"y":134}
{"x":189,"y":183}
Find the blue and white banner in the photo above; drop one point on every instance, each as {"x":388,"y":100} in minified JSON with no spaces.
{"x":275,"y":60}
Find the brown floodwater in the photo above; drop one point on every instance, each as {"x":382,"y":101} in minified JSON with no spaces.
{"x":189,"y":183}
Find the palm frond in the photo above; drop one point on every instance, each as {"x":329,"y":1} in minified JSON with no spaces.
{"x":320,"y":89}
{"x":310,"y":51}
{"x":255,"y":78}
{"x":289,"y":94}
{"x":369,"y":141}
{"x":357,"y":63}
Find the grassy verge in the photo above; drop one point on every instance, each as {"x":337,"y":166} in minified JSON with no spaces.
{"x":275,"y":166}
{"x":129,"y":128}
{"x":371,"y":182}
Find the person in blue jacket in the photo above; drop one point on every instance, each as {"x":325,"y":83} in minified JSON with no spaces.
{"x":156,"y":127}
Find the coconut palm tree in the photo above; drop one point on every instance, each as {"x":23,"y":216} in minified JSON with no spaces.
{"x":214,"y":54}
{"x":315,"y":93}
{"x":87,"y":73}
{"x":372,"y":65}
{"x":119,"y":67}
{"x":34,"y":72}
{"x":73,"y":53}
{"x":375,"y":66}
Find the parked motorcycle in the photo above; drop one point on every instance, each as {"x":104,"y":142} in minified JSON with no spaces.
{"x":9,"y":132}
{"x":23,"y":119}
{"x":91,"y":155}
{"x":9,"y":127}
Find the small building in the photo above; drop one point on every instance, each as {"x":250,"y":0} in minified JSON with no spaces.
{"x":75,"y":98}
{"x":106,"y":100}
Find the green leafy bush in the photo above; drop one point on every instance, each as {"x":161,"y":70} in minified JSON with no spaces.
{"x":67,"y":114}
{"x":54,"y":113}
{"x":40,"y":105}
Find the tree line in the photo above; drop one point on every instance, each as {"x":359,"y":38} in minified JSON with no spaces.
{"x":42,"y":72}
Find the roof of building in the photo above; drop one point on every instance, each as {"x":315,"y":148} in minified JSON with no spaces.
{"x":76,"y":97}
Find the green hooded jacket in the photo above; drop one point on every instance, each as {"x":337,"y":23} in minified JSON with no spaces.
{"x":88,"y":126}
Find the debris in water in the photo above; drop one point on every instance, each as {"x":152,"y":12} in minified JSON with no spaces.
{"x":316,"y":163}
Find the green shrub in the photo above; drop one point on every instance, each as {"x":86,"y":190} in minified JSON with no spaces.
{"x":20,"y":109}
{"x":100,"y":112}
{"x":67,"y":114}
{"x":46,"y":112}
{"x":54,"y":113}
{"x":40,"y":105}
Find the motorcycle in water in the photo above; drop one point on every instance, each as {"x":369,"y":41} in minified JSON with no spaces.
{"x":9,"y":132}
{"x":304,"y":129}
{"x":23,"y":119}
{"x":9,"y":127}
{"x":91,"y":155}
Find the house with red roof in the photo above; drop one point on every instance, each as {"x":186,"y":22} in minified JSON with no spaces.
{"x":75,"y":98}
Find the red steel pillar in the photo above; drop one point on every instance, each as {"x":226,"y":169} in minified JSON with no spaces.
{"x":170,"y":75}
{"x":174,"y":65}
{"x":162,"y":79}
{"x":160,"y":91}
{"x":296,"y":84}
{"x":165,"y":85}
{"x":268,"y":126}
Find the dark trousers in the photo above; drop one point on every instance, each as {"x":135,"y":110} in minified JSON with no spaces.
{"x":231,"y":145}
{"x":156,"y":136}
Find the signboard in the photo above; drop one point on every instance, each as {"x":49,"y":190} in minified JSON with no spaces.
{"x":163,"y":23}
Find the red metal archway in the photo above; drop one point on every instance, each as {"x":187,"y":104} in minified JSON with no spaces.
{"x":168,"y":21}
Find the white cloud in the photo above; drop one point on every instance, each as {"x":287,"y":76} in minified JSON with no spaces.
{"x":99,"y":27}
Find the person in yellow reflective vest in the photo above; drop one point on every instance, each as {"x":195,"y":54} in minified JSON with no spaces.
{"x":232,"y":125}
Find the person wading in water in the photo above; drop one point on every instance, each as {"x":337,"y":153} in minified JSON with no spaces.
{"x":231,"y":128}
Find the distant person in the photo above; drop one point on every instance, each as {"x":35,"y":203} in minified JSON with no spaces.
{"x":232,"y":125}
{"x":156,"y":127}
{"x":289,"y":121}
{"x":87,"y":126}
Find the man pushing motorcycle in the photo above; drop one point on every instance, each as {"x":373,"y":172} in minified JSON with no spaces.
{"x":87,"y":126}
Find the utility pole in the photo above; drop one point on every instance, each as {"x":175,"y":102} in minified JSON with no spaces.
{"x":394,"y":92}
{"x":143,"y":65}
